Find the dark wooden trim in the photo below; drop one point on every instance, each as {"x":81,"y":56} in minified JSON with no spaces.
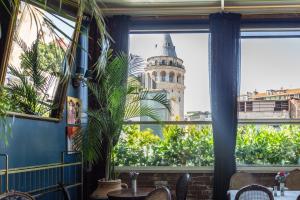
{"x":8,"y":41}
{"x":61,"y":93}
{"x":190,"y":23}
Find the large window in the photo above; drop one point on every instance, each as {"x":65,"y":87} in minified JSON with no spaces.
{"x":176,"y":66}
{"x":268,"y":100}
{"x":269,"y":97}
{"x":270,"y":85}
{"x":36,"y":60}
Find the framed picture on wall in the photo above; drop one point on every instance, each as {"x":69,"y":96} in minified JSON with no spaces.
{"x":74,"y":108}
{"x":71,"y":132}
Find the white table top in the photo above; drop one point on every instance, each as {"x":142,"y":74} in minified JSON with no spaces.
{"x":288,"y":195}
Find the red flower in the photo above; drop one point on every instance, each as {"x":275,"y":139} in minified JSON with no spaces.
{"x":281,"y":173}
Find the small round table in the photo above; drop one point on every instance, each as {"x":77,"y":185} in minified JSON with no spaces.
{"x":127,"y":194}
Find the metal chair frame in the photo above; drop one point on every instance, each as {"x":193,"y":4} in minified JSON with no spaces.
{"x":182,"y":186}
{"x":160,"y":189}
{"x":254,"y":187}
{"x":15,"y":194}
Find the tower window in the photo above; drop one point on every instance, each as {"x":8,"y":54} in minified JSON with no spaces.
{"x":163,"y":62}
{"x":171,"y":77}
{"x":163,"y":76}
{"x":179,"y":78}
{"x":154,"y":76}
{"x":171,"y":63}
{"x":153,"y":84}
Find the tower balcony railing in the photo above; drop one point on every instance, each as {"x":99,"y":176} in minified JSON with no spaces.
{"x":165,"y":64}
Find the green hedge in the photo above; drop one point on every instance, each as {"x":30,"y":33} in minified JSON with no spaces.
{"x":192,"y":145}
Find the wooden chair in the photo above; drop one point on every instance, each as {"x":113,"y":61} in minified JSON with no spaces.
{"x":254,"y":192}
{"x":182,"y":186}
{"x":14,"y":195}
{"x":293,"y":180}
{"x":241,"y":179}
{"x":162,"y":193}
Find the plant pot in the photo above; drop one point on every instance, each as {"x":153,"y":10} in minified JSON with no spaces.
{"x":105,"y":187}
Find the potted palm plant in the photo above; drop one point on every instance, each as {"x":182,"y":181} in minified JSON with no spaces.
{"x":119,"y":96}
{"x":116,"y":99}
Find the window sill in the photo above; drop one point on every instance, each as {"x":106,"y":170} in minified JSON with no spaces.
{"x":209,"y":169}
{"x":32,"y":117}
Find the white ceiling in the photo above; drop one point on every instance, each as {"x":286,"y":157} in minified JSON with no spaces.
{"x":197,"y":7}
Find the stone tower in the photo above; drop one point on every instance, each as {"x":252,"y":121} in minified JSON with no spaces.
{"x":165,"y":72}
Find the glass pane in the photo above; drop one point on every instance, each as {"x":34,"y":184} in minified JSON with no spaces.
{"x":36,"y":60}
{"x":176,"y":145}
{"x":268,"y":145}
{"x":270,"y":91}
{"x":176,"y":65}
{"x":270,"y":86}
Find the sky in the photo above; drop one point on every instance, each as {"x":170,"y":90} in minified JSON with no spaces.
{"x":265,"y":64}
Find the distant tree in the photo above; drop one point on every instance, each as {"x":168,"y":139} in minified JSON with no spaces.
{"x":29,"y":88}
{"x":193,"y":146}
{"x":50,"y":57}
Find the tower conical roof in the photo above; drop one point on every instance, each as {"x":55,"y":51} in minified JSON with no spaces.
{"x":165,"y":47}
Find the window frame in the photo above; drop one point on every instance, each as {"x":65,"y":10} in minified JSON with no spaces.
{"x":56,"y":114}
{"x":144,"y":25}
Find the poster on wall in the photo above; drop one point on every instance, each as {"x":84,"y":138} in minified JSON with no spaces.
{"x":71,"y":132}
{"x":74,"y":107}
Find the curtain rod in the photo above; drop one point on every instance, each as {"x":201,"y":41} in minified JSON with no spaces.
{"x":202,"y":10}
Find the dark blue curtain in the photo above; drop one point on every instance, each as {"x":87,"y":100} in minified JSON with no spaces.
{"x":5,"y":20}
{"x":118,"y":28}
{"x":224,"y":89}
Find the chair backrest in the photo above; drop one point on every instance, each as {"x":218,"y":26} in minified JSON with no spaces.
{"x":293,"y":180}
{"x":241,"y":179}
{"x":182,"y":186}
{"x":16,"y":195}
{"x":161,"y":193}
{"x":257,"y":192}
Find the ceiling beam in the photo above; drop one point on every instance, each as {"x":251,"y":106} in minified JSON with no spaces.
{"x":243,"y":7}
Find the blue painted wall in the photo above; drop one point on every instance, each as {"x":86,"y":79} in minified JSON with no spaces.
{"x":36,"y":142}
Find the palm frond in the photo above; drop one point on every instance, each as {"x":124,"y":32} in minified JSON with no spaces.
{"x":119,"y":94}
{"x":28,"y":90}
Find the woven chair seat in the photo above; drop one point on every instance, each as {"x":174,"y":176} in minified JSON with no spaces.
{"x":240,"y":180}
